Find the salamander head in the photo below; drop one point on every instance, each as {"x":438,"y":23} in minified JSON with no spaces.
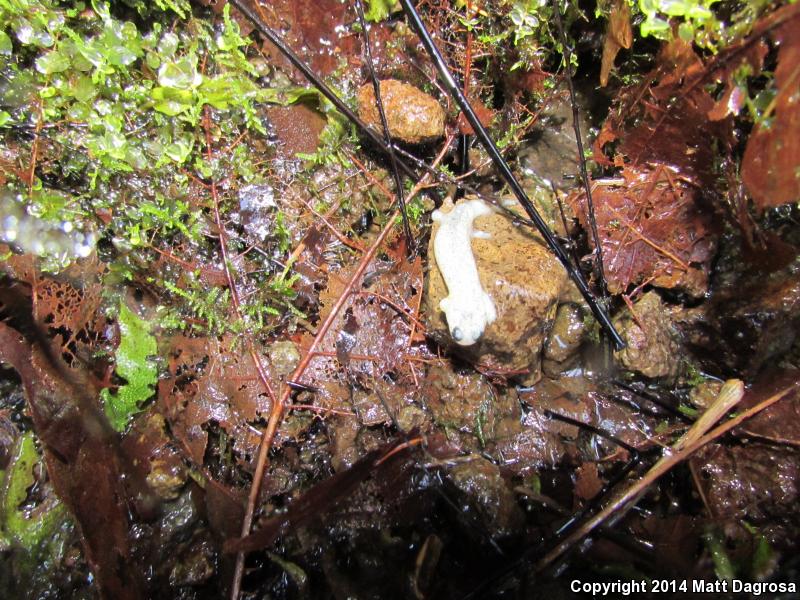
{"x":466,"y":320}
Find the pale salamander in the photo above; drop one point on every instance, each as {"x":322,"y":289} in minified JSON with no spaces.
{"x":468,"y":308}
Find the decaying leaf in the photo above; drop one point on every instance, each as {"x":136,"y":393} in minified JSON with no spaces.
{"x":618,"y":35}
{"x":82,"y":460}
{"x":771,"y":165}
{"x":664,"y":119}
{"x":652,"y":230}
{"x":213,"y":382}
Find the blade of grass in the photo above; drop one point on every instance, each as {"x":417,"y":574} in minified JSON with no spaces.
{"x":729,"y":396}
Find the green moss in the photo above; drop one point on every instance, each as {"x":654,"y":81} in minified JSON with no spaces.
{"x":378,"y":10}
{"x":121,"y":102}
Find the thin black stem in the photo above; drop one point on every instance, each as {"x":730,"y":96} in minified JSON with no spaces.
{"x":569,"y":242}
{"x":321,"y":86}
{"x":654,"y":398}
{"x":523,"y":559}
{"x":298,"y":63}
{"x":505,"y":171}
{"x":463,"y":166}
{"x":576,"y":125}
{"x":398,"y":181}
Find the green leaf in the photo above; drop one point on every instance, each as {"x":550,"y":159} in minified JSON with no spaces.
{"x":134,"y":365}
{"x":170,"y":101}
{"x":181,"y":74}
{"x":83,"y":89}
{"x":5,"y":43}
{"x":181,"y":7}
{"x":378,"y":10}
{"x":223,"y":90}
{"x":179,"y":151}
{"x":52,"y":62}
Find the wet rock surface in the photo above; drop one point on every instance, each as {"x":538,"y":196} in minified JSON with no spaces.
{"x":552,"y":154}
{"x":653,"y":348}
{"x":413,"y":116}
{"x":568,"y":333}
{"x":468,"y":404}
{"x":524,"y":281}
{"x":283,"y":356}
{"x":756,"y":479}
{"x":482,"y":484}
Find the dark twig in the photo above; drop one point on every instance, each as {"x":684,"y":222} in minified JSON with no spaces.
{"x":398,"y":182}
{"x":463,"y":164}
{"x":505,"y":171}
{"x":569,"y":242}
{"x":464,"y":139}
{"x":611,"y":483}
{"x":601,"y":276}
{"x":655,"y":399}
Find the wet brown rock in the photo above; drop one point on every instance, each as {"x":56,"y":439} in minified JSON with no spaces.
{"x":456,"y":400}
{"x":653,"y":348}
{"x":524,"y":281}
{"x":467,"y":403}
{"x":344,"y":452}
{"x":413,"y":116}
{"x":283,"y":356}
{"x":483,"y":486}
{"x":532,"y":447}
{"x":755,"y":481}
{"x":566,"y":337}
{"x":703,"y":395}
{"x":297,"y":128}
{"x":194,"y":566}
{"x":166,"y":478}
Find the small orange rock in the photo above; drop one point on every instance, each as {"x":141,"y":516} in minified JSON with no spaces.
{"x":413,"y":116}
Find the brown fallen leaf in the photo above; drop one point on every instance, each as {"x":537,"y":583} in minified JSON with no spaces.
{"x":82,"y":461}
{"x":587,"y":481}
{"x":618,"y":35}
{"x":771,"y":164}
{"x":652,"y":229}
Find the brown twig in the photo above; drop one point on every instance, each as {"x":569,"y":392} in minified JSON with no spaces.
{"x":35,"y":146}
{"x":405,"y":312}
{"x":262,"y":374}
{"x":648,"y":241}
{"x":276,"y":416}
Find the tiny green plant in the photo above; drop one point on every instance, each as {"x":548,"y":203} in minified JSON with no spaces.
{"x":695,"y":19}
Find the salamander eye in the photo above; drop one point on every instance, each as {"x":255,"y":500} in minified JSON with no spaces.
{"x":456,"y":333}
